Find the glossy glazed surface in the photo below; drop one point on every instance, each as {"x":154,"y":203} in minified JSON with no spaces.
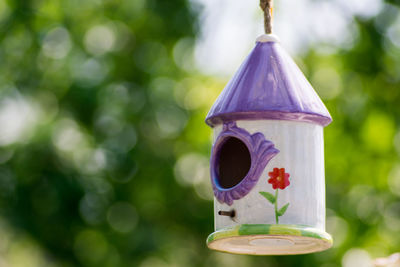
{"x":268,"y":85}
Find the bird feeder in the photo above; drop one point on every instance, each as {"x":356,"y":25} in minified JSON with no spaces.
{"x":267,"y":159}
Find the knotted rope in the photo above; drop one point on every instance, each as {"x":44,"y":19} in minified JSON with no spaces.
{"x":266,"y":6}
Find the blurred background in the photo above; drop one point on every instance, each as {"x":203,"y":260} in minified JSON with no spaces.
{"x":103,"y":146}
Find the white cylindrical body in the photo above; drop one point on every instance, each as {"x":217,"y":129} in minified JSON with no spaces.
{"x":301,"y":153}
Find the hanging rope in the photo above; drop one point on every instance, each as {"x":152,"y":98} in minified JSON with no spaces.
{"x":266,"y":6}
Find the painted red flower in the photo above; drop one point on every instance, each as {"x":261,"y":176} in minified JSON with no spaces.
{"x":279,"y":179}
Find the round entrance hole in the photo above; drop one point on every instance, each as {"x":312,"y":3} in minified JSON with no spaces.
{"x":233,"y":162}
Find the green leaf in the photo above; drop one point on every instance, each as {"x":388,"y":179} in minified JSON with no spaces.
{"x":268,"y":196}
{"x":283,"y":210}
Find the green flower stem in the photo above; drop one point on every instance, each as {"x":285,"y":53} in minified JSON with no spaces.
{"x":276,"y":207}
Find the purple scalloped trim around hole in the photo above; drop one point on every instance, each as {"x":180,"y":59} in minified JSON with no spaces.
{"x":261,"y":152}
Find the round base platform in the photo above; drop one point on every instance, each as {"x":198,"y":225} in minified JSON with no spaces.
{"x":269,"y":239}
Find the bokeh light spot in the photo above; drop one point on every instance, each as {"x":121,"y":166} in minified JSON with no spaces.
{"x":356,"y":257}
{"x":191,"y":169}
{"x":327,"y":83}
{"x":56,"y":43}
{"x":392,"y":216}
{"x":378,"y":132}
{"x":90,"y":247}
{"x":338,"y":228}
{"x":92,"y":208}
{"x":170,"y":120}
{"x":394,"y":180}
{"x":99,"y":39}
{"x":18,"y":117}
{"x":89,"y":71}
{"x":67,"y":137}
{"x":122,"y":217}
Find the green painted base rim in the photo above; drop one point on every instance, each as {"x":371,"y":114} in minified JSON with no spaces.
{"x":270,"y":231}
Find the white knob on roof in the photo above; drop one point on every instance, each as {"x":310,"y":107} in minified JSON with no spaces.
{"x":265,"y":38}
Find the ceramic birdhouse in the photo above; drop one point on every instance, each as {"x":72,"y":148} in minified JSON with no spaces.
{"x":267,"y":159}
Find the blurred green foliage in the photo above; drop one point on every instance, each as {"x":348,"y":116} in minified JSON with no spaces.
{"x":104,"y":149}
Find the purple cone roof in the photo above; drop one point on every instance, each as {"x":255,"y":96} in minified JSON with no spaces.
{"x":268,"y":85}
